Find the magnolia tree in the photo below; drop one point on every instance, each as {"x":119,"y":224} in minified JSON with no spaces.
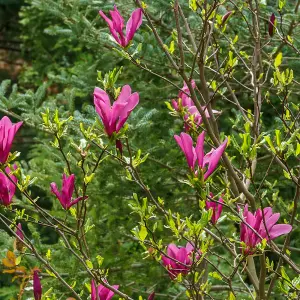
{"x":197,"y":251}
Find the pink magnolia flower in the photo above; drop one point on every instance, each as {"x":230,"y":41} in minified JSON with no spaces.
{"x":272,"y":24}
{"x":65,"y":196}
{"x":37,"y":287}
{"x":7,"y":187}
{"x":7,"y":134}
{"x":187,"y":103}
{"x":103,"y":292}
{"x":114,"y":116}
{"x":265,"y":228}
{"x":183,"y":257}
{"x":116,"y":25}
{"x":216,"y":208}
{"x":211,"y":159}
{"x":19,"y":232}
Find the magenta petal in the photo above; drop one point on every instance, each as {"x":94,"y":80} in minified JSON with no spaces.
{"x":279,"y":229}
{"x":268,"y":212}
{"x":19,"y":232}
{"x":165,"y":261}
{"x":117,"y":20}
{"x":76,"y":201}
{"x":133,"y":24}
{"x":175,"y":104}
{"x":131,"y":104}
{"x":214,"y":159}
{"x":271,"y":28}
{"x":151,"y":296}
{"x":181,"y":255}
{"x":124,"y":94}
{"x":186,"y":101}
{"x":200,"y":149}
{"x":271,"y":221}
{"x":68,"y":185}
{"x":105,"y":293}
{"x":189,"y":248}
{"x":112,"y":28}
{"x":5,"y":198}
{"x":186,"y":144}
{"x":172,"y":250}
{"x":101,"y":95}
{"x":37,"y":287}
{"x":116,"y":112}
{"x":93,"y":291}
{"x":8,"y":131}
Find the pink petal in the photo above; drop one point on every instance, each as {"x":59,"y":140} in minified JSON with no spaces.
{"x":186,"y":144}
{"x":124,"y":94}
{"x":200,"y":149}
{"x":111,"y":28}
{"x":214,"y":159}
{"x":117,"y":19}
{"x":133,"y":24}
{"x":93,"y":291}
{"x":165,"y":261}
{"x":189,"y":248}
{"x":186,"y":101}
{"x":101,"y":95}
{"x":106,"y":112}
{"x":268,"y":212}
{"x":70,"y":204}
{"x":181,"y":255}
{"x":133,"y":101}
{"x":175,"y":104}
{"x":172,"y":250}
{"x":279,"y":229}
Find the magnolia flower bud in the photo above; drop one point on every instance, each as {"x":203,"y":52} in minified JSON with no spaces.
{"x":37,"y":287}
{"x":272,"y":25}
{"x":226,"y":16}
{"x":19,"y":244}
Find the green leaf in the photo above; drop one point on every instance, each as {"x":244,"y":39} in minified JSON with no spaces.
{"x":278,"y":60}
{"x":215,"y":275}
{"x":193,"y":4}
{"x":89,"y":264}
{"x":143,"y":233}
{"x":18,"y":260}
{"x":298,"y":149}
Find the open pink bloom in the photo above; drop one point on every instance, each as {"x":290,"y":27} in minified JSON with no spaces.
{"x":116,"y":25}
{"x":103,"y":292}
{"x":7,"y":134}
{"x":7,"y":188}
{"x":188,"y":104}
{"x":265,"y":228}
{"x":19,"y":232}
{"x":114,"y":116}
{"x":184,"y":257}
{"x":37,"y":287}
{"x":216,"y":208}
{"x":65,"y":196}
{"x":193,"y":155}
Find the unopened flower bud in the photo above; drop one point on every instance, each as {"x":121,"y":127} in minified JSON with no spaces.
{"x":272,"y":24}
{"x":226,"y":16}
